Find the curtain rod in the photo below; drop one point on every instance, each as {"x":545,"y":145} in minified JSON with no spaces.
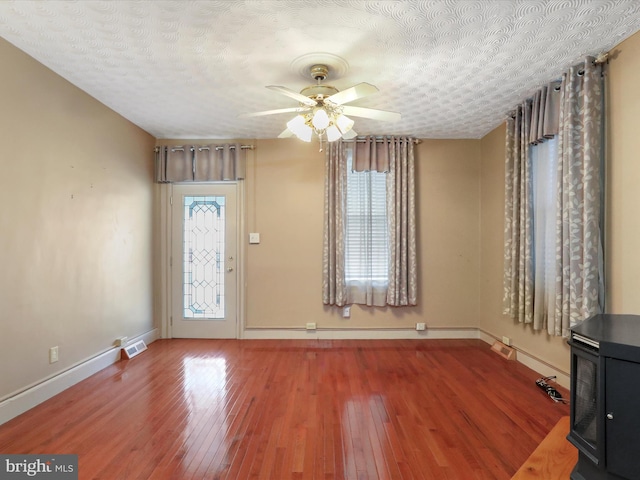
{"x":602,"y":57}
{"x":233,"y":147}
{"x":378,"y":139}
{"x":252,"y":147}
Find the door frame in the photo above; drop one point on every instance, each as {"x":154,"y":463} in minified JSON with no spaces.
{"x":164,"y":246}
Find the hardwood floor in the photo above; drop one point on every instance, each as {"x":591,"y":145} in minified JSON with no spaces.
{"x":554,"y":458}
{"x":266,"y":409}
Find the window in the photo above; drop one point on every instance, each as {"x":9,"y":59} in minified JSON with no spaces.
{"x":366,"y":242}
{"x":544,"y":161}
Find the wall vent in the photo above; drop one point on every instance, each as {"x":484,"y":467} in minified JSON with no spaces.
{"x":504,"y":351}
{"x":134,"y":349}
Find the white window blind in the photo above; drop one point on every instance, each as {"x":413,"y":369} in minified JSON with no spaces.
{"x":366,"y":243}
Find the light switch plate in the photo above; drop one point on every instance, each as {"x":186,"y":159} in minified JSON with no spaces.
{"x":254,"y":238}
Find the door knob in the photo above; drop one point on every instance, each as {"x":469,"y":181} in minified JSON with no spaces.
{"x":609,"y":416}
{"x":229,"y":269}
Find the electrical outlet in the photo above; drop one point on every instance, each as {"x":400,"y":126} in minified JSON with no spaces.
{"x":120,"y":342}
{"x":53,"y":354}
{"x":421,"y":326}
{"x":311,"y":326}
{"x":346,"y":311}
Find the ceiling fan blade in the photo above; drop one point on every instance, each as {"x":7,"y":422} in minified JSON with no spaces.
{"x":349,"y":135}
{"x":286,"y":133}
{"x":353,"y":93}
{"x":295,"y":95}
{"x":273,"y":112}
{"x":371,"y":113}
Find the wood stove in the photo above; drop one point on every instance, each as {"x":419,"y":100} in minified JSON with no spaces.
{"x":605,"y":397}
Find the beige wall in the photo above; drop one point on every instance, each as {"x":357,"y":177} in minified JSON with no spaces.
{"x":75,"y":216}
{"x":285,"y":191}
{"x":622,"y":240}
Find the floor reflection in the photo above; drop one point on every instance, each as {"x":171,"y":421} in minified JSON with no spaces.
{"x":364,"y":437}
{"x":205,"y":393}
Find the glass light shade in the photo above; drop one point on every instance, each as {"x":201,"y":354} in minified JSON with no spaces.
{"x":320,"y":119}
{"x":344,"y":123}
{"x":333,"y":133}
{"x":305,"y":133}
{"x":296,"y":124}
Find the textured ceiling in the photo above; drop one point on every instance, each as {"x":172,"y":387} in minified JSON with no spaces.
{"x":187,"y":69}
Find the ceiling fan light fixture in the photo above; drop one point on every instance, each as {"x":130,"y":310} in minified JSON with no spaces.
{"x":320,"y":119}
{"x":305,"y":135}
{"x":298,"y":126}
{"x":333,"y":133}
{"x":344,"y":123}
{"x":295,"y":123}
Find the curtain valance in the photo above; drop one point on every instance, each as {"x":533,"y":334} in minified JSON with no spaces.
{"x":200,"y":163}
{"x":540,"y":114}
{"x":372,"y":153}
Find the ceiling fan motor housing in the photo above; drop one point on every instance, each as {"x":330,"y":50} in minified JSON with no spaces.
{"x":319,"y":92}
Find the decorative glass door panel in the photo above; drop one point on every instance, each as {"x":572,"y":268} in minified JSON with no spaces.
{"x":203,"y":250}
{"x":204,"y":280}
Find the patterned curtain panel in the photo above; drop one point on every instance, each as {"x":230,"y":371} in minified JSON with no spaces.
{"x":334,"y":290}
{"x":517,"y":300}
{"x":191,"y":163}
{"x":401,"y":212}
{"x":577,"y":289}
{"x":579,"y":254}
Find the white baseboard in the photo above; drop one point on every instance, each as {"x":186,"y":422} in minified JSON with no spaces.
{"x":21,"y":402}
{"x":356,"y":334}
{"x":534,"y":363}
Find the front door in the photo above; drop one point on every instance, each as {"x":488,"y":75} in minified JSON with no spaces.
{"x":203,"y":261}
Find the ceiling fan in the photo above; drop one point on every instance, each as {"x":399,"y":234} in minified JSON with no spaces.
{"x":322,"y":109}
